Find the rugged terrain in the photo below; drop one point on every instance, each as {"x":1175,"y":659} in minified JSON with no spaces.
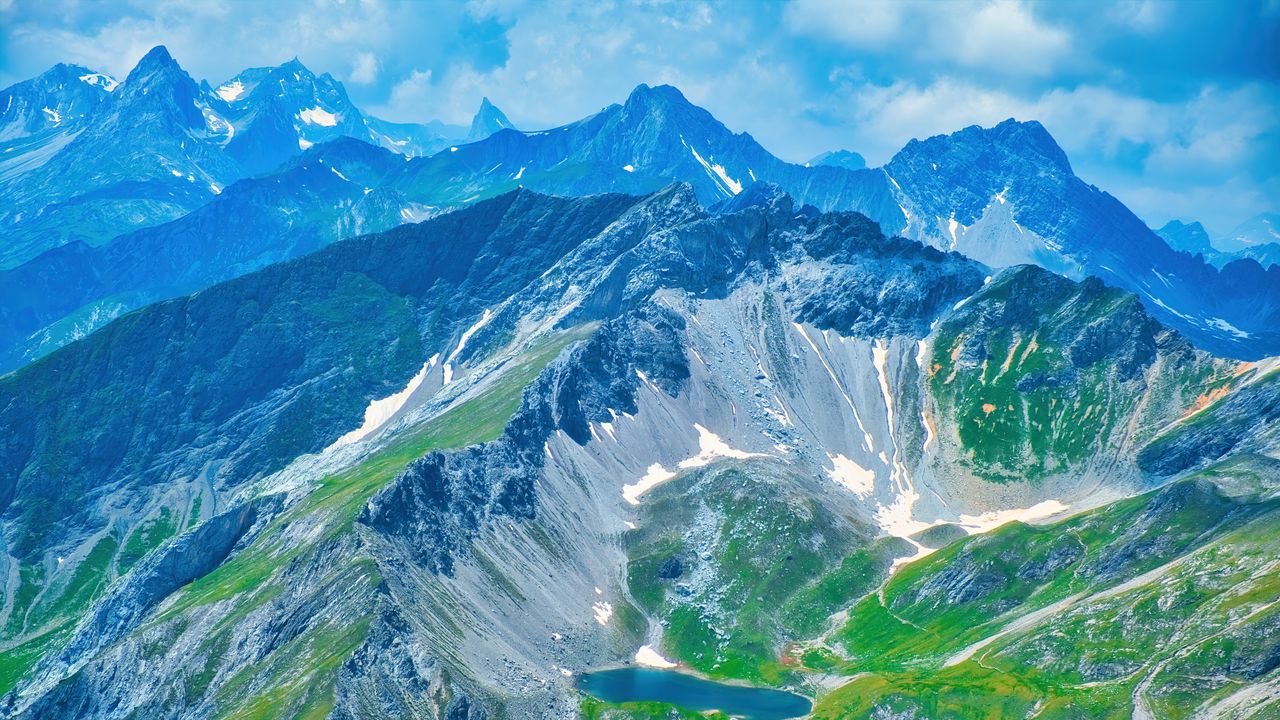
{"x":438,"y":471}
{"x":164,"y":186}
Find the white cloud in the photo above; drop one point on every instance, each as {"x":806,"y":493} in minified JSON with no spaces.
{"x":413,"y":93}
{"x":1000,"y":36}
{"x":865,"y":24}
{"x":1003,"y":36}
{"x":1143,"y":16}
{"x":364,"y":70}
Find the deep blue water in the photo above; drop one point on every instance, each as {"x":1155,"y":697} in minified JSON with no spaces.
{"x":648,"y":685}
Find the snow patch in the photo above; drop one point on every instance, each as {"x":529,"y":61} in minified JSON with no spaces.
{"x":318,"y":116}
{"x":380,"y":411}
{"x":879,"y":358}
{"x":303,"y":144}
{"x":850,"y":474}
{"x":648,"y":657}
{"x":629,"y":168}
{"x":231,"y":91}
{"x":603,"y":611}
{"x":710,"y":447}
{"x":653,"y":477}
{"x":108,"y":83}
{"x":899,"y":562}
{"x":716,"y":171}
{"x":53,"y":115}
{"x":974,"y":524}
{"x":519,"y":174}
{"x":466,"y":334}
{"x":1221,"y":324}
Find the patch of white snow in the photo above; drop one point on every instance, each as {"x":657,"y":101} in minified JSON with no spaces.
{"x":648,"y":657}
{"x":710,"y":447}
{"x":231,"y":91}
{"x":974,"y":524}
{"x":380,"y":411}
{"x":603,"y":611}
{"x":318,"y":116}
{"x":653,"y":477}
{"x":850,"y":474}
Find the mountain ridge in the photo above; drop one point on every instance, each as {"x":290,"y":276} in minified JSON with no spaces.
{"x":847,"y":380}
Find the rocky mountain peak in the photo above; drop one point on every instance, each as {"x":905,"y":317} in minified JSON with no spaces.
{"x":487,"y":121}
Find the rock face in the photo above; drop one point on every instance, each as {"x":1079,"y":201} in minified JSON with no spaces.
{"x":58,"y":101}
{"x":1007,"y":195}
{"x":286,"y":382}
{"x":582,"y":426}
{"x":487,"y":121}
{"x":1186,"y":237}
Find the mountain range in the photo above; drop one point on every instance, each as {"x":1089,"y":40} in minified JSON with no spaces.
{"x":97,"y":158}
{"x":388,"y":430}
{"x":1257,"y":238}
{"x":1004,"y":195}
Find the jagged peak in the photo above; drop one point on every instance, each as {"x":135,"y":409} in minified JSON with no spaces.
{"x":157,"y":58}
{"x":487,"y":121}
{"x":646,"y":95}
{"x":158,"y":67}
{"x":295,"y":65}
{"x":1025,"y":140}
{"x":758,"y":194}
{"x":59,"y":73}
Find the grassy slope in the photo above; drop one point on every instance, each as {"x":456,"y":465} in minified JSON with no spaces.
{"x":251,"y":578}
{"x":1026,"y":411}
{"x":1201,"y":566}
{"x":763,"y":565}
{"x":1087,"y":657}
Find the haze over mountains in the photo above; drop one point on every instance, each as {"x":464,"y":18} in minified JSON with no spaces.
{"x":1002,"y":196}
{"x":312,"y":415}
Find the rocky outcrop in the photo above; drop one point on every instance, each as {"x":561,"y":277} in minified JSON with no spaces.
{"x":437,"y":505}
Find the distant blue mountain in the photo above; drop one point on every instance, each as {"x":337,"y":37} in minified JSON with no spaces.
{"x":488,"y":120}
{"x":82,"y":160}
{"x":1187,"y":237}
{"x":1261,"y":229}
{"x":280,"y":111}
{"x":1257,"y":238}
{"x":62,"y":97}
{"x":40,"y":115}
{"x":1007,"y":195}
{"x":1004,"y":196}
{"x":846,"y":159}
{"x":149,"y":151}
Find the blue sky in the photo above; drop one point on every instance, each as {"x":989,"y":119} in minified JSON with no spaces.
{"x":1172,"y":107}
